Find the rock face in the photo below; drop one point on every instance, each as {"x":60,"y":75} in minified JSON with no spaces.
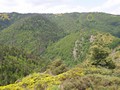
{"x":75,"y":49}
{"x":92,"y":38}
{"x":75,"y":53}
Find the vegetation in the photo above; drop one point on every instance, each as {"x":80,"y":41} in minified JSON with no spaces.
{"x":71,"y":51}
{"x":99,"y":57}
{"x":56,"y":67}
{"x":33,"y":33}
{"x":76,"y":78}
{"x":16,"y":63}
{"x":114,"y":44}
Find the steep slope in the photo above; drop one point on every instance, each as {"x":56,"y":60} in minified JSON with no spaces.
{"x":32,"y":33}
{"x":75,"y":47}
{"x":72,"y":49}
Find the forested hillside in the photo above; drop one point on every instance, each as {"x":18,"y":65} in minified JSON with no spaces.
{"x":32,"y":33}
{"x":99,"y":69}
{"x":72,"y":22}
{"x":70,"y":51}
{"x":44,"y":29}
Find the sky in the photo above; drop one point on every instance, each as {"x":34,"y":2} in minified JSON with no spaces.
{"x":60,"y":6}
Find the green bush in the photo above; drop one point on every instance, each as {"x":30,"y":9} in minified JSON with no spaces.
{"x":57,"y":67}
{"x":99,"y":57}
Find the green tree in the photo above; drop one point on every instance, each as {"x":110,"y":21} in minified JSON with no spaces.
{"x":100,"y":57}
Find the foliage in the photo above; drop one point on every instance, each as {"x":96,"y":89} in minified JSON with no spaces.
{"x":57,"y":67}
{"x":65,"y":47}
{"x":41,"y":81}
{"x":92,"y":82}
{"x":74,"y":79}
{"x":99,"y":57}
{"x":76,"y":38}
{"x":33,"y":33}
{"x":16,"y":63}
{"x":114,"y":44}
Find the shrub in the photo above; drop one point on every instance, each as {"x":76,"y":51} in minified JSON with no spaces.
{"x":100,"y":57}
{"x":57,"y":67}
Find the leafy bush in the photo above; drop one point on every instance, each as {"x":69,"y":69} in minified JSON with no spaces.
{"x":99,"y":57}
{"x":92,"y":82}
{"x":57,"y":67}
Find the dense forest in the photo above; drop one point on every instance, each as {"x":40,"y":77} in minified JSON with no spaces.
{"x":70,"y":51}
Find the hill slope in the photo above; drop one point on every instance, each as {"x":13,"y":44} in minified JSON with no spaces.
{"x":99,"y":70}
{"x":72,"y":49}
{"x":72,"y":22}
{"x":32,"y":33}
{"x":35,"y":31}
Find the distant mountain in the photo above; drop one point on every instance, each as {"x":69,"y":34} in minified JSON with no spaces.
{"x":6,"y":19}
{"x":72,"y":22}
